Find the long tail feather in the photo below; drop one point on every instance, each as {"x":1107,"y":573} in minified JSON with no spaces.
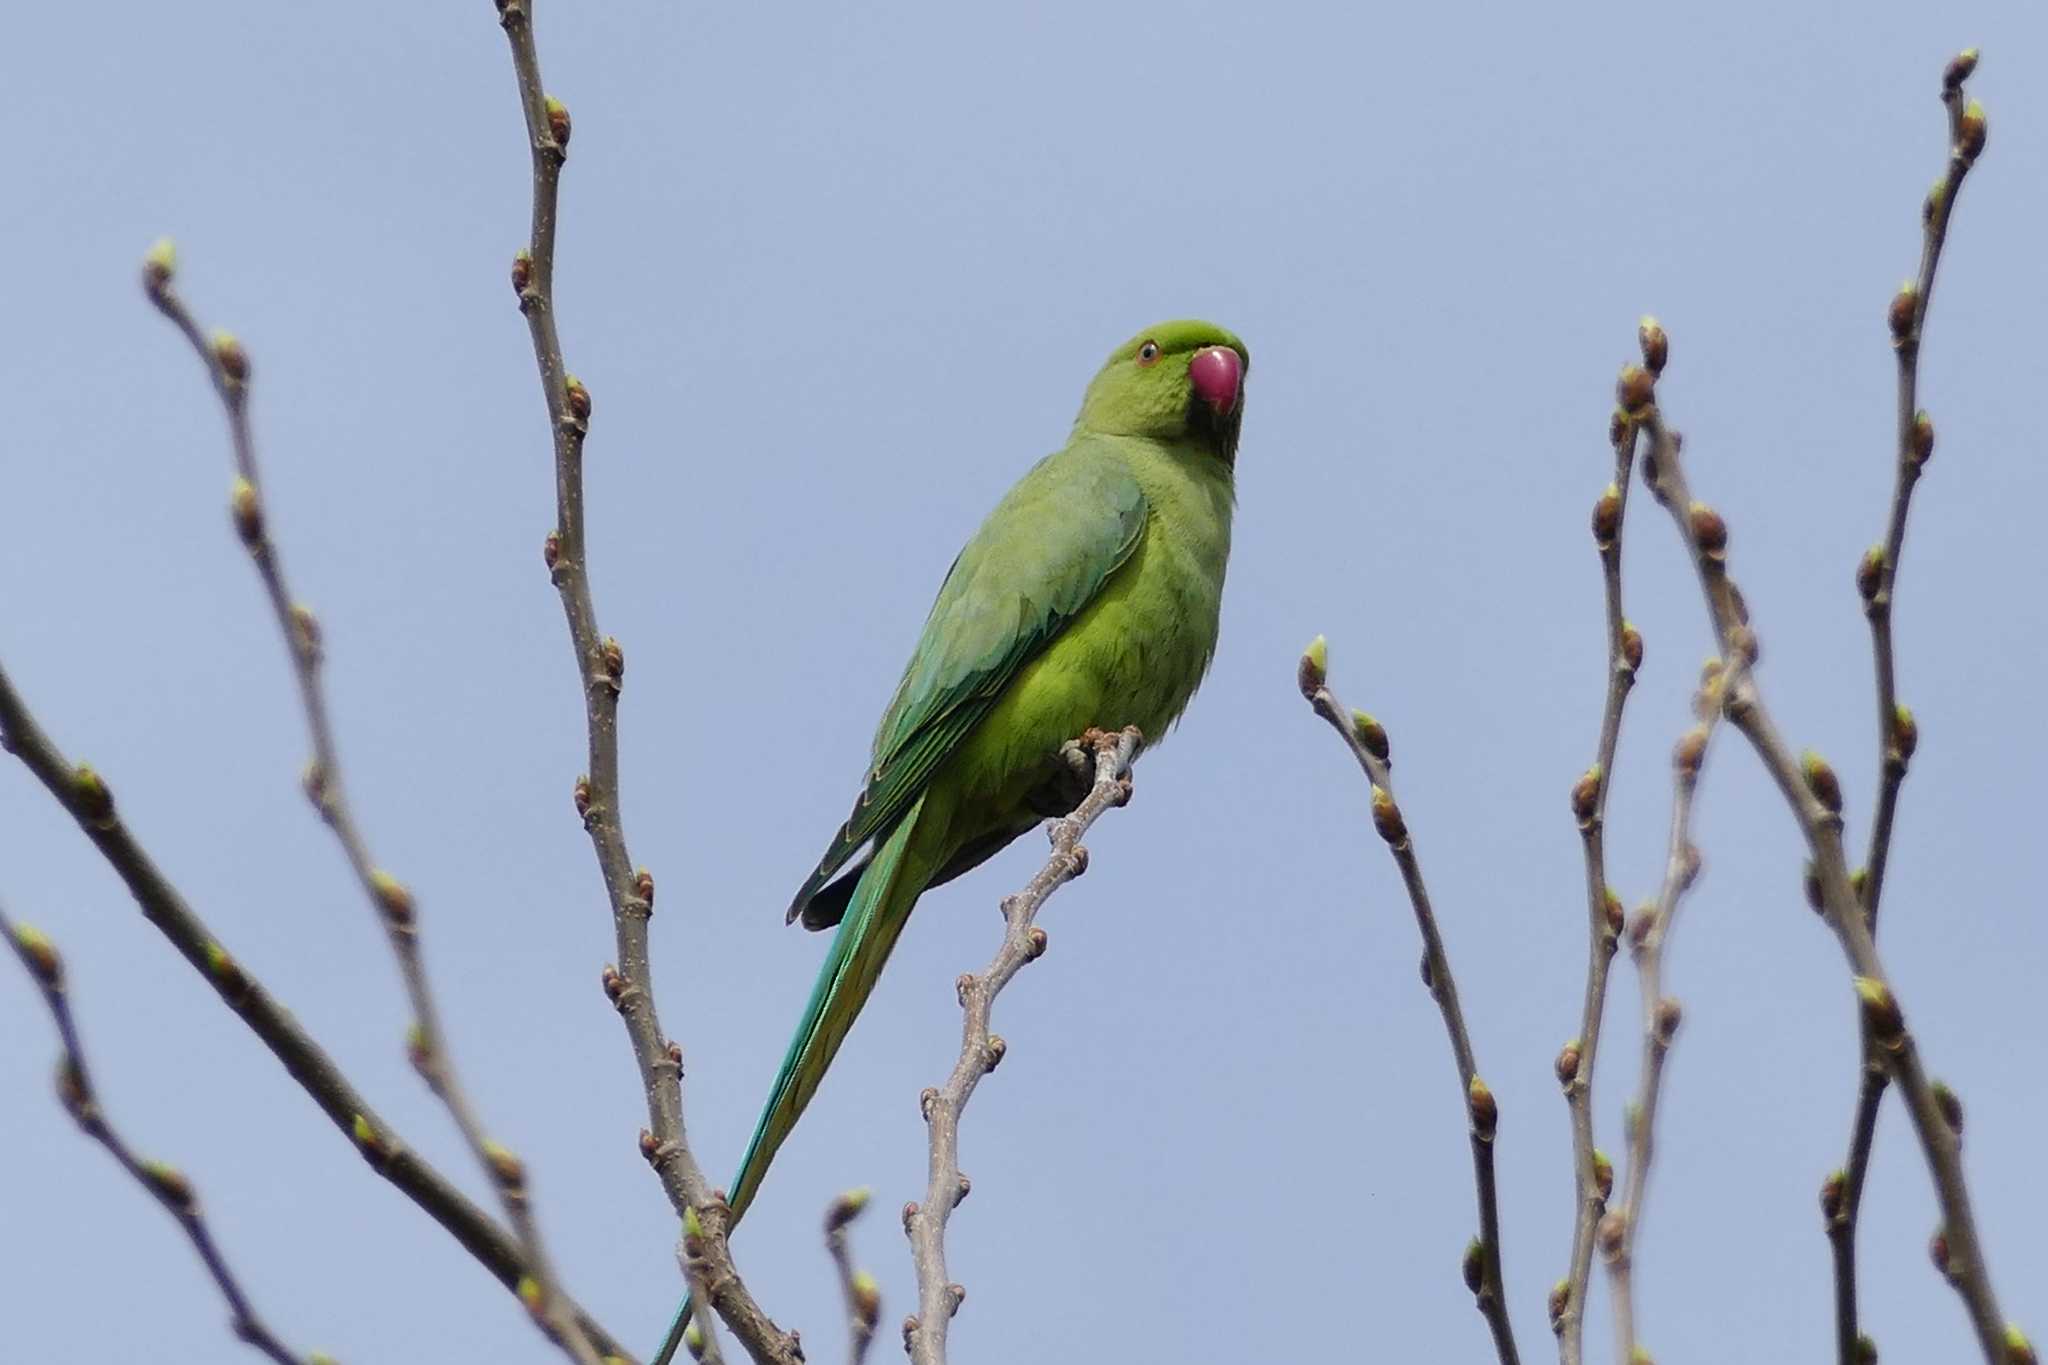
{"x":874,"y":918}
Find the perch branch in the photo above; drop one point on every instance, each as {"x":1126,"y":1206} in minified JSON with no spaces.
{"x":166,"y":1184}
{"x":1814,"y":794}
{"x":601,"y":667}
{"x":85,"y":795}
{"x":1368,"y":744}
{"x":1897,"y":732}
{"x":938,"y":1298}
{"x":227,"y":365}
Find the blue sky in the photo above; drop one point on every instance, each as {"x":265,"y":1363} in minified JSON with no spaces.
{"x":835,"y":279}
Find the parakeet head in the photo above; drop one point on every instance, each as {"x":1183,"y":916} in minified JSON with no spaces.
{"x":1173,"y":381}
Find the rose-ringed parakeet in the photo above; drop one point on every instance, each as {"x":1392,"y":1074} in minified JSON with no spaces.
{"x":1088,"y":599}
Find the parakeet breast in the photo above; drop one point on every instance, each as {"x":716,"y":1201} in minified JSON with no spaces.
{"x":1138,"y":651}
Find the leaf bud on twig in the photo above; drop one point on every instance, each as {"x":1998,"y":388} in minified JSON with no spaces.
{"x":1655,"y":344}
{"x":2018,"y":1350}
{"x":1603,"y":1173}
{"x":1881,"y":1011}
{"x":1609,"y":1233}
{"x":227,"y":973}
{"x":91,"y":796}
{"x":1631,"y":646}
{"x":1567,"y":1065}
{"x":578,"y":397}
{"x":1959,"y":69}
{"x":1484,"y":1108}
{"x":1821,"y":781}
{"x":1833,"y":1191}
{"x":1372,"y":735}
{"x":1970,"y":132}
{"x":1870,"y":574}
{"x":1474,"y":1266}
{"x":867,"y":1299}
{"x":231,"y":357}
{"x":1314,"y":669}
{"x":1905,"y":731}
{"x":1923,"y":437}
{"x":159,"y":266}
{"x":368,"y":1139}
{"x":169,"y":1184}
{"x":1690,"y":751}
{"x":1709,"y":531}
{"x":1664,"y":1022}
{"x":1607,"y":516}
{"x":41,"y":954}
{"x":847,"y":1207}
{"x":1951,"y":1108}
{"x":1634,"y":389}
{"x":1560,"y":1299}
{"x":506,"y":1167}
{"x":392,"y":898}
{"x":1386,"y":818}
{"x":246,"y":510}
{"x":1586,"y":796}
{"x":1905,"y":304}
{"x":558,"y":122}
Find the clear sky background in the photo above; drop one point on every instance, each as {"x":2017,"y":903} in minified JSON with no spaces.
{"x":835,"y":279}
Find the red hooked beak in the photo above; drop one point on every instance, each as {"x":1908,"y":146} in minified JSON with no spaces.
{"x":1216,"y":373}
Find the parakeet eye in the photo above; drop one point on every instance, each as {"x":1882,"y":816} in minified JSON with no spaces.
{"x":1148,"y":354}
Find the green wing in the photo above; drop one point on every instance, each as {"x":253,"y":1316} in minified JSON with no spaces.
{"x":1034,"y":565}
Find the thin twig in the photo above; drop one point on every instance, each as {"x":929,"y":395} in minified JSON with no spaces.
{"x":863,"y":1296}
{"x":1897,"y":732}
{"x":601,"y":666}
{"x":1814,"y":793}
{"x":85,"y":795}
{"x":227,"y":365}
{"x":699,"y":1336}
{"x":166,"y":1184}
{"x":1603,"y":909}
{"x":1367,"y":741}
{"x":1649,"y":934}
{"x":938,"y":1298}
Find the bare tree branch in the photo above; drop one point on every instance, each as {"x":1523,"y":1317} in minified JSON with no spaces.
{"x":1814,"y":794}
{"x":863,"y":1296}
{"x":1592,"y":1176}
{"x":1897,"y":732}
{"x":938,"y":1298}
{"x":166,"y":1184}
{"x":1649,"y":934}
{"x":85,"y":795}
{"x":227,"y":365}
{"x":601,"y":666}
{"x":1367,"y":741}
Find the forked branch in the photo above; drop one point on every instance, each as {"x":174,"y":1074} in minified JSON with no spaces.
{"x":87,"y":798}
{"x":1814,"y":794}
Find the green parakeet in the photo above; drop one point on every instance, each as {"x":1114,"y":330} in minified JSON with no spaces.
{"x":1088,"y":598}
